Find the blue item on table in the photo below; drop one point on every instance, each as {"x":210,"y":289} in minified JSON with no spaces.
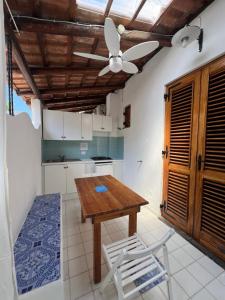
{"x":101,"y":188}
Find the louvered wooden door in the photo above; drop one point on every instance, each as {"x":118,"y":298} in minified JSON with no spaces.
{"x":181,"y":129}
{"x":210,"y":188}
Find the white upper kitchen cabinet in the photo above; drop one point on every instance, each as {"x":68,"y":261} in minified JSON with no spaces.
{"x":97,"y":122}
{"x":52,"y":125}
{"x":107,"y":123}
{"x":55,"y":179}
{"x":86,"y":127}
{"x":72,"y":126}
{"x":102,"y":123}
{"x":73,"y":171}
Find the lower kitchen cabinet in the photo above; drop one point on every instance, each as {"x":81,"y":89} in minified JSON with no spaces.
{"x":55,"y":179}
{"x":59,"y":178}
{"x":73,"y":171}
{"x":104,"y":169}
{"x":118,"y":169}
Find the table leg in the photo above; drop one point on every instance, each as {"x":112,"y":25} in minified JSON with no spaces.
{"x":97,"y":252}
{"x":132,"y":223}
{"x":82,"y":216}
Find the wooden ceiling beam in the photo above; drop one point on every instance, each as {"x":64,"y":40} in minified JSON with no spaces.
{"x":54,"y":71}
{"x":74,"y":29}
{"x":81,"y":89}
{"x":73,"y":99}
{"x":76,"y":90}
{"x":108,"y":7}
{"x":21,"y":61}
{"x":72,"y":102}
{"x":74,"y":105}
{"x":76,"y":109}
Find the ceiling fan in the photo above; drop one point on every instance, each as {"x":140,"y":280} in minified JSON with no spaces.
{"x":117,"y":60}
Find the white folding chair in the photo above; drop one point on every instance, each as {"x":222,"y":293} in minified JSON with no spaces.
{"x":130,"y":259}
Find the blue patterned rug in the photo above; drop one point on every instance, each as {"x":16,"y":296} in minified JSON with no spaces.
{"x":37,"y":249}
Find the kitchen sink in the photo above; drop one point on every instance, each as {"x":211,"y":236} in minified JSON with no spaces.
{"x":62,"y":160}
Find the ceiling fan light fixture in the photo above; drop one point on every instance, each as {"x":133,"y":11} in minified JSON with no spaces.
{"x":184,"y":41}
{"x":115,"y":64}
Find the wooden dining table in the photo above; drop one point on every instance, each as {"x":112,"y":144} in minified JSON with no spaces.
{"x":117,"y":201}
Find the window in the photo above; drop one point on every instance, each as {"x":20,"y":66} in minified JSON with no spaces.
{"x":150,"y":12}
{"x":96,"y":5}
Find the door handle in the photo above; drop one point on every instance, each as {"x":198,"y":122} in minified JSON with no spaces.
{"x":200,"y":162}
{"x":165,"y":152}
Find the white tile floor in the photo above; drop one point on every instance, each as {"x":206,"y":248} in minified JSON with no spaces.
{"x":195,"y":276}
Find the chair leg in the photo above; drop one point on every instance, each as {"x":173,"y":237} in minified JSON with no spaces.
{"x":169,"y":288}
{"x":166,"y":262}
{"x":106,"y":281}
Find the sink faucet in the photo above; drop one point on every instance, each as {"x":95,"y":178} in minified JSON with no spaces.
{"x":62,"y":157}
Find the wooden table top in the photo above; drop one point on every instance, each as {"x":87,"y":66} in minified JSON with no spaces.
{"x":118,"y":197}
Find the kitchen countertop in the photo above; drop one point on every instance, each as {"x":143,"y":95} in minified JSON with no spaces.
{"x":77,"y":162}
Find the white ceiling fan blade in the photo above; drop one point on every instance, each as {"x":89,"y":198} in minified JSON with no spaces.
{"x":129,"y":67}
{"x":112,"y":37}
{"x":140,"y":50}
{"x":104,"y":71}
{"x":92,"y":56}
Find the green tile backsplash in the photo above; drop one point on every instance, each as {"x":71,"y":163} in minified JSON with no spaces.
{"x":99,"y":146}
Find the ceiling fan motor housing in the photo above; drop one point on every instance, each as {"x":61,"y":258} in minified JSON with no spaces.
{"x":115,"y":64}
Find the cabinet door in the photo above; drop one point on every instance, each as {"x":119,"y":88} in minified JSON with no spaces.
{"x":97,"y":122}
{"x":72,"y":126}
{"x":104,"y":169}
{"x":118,"y":170}
{"x":52,"y":125}
{"x":106,"y":123}
{"x":55,"y":179}
{"x":86,"y":127}
{"x":73,"y":171}
{"x":181,"y":134}
{"x":210,"y":187}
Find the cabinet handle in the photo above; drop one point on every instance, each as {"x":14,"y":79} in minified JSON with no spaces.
{"x":140,"y":161}
{"x":66,"y":167}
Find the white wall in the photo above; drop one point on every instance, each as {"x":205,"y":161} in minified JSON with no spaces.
{"x":144,"y":140}
{"x":24,"y":167}
{"x":7,"y":287}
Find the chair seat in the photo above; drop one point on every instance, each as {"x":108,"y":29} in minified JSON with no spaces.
{"x":133,"y":270}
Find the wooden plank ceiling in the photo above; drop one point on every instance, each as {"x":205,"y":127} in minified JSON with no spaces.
{"x":62,"y":80}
